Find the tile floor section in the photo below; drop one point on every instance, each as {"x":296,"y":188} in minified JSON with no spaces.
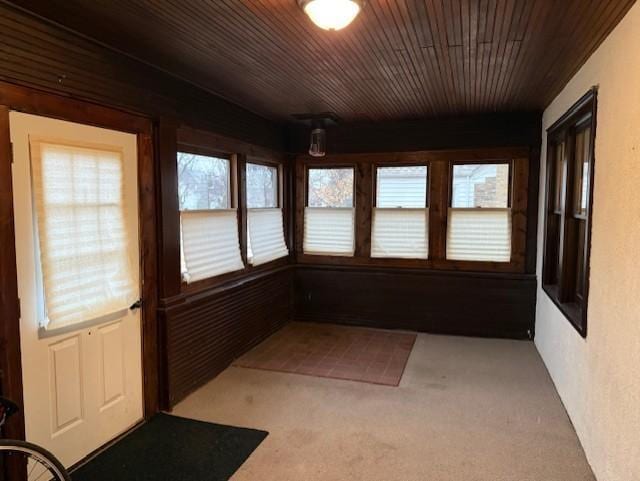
{"x":338,"y":352}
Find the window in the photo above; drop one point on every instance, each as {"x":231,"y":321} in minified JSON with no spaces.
{"x":209,"y":221}
{"x":329,"y":216}
{"x":401,"y":218}
{"x":567,"y":228}
{"x":479,"y":225}
{"x":265,"y":240}
{"x":83,"y":238}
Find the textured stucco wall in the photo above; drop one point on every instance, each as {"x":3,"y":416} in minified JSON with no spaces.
{"x":599,"y":378}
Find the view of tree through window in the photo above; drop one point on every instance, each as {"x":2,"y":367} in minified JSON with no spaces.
{"x":262,"y":186}
{"x":330,"y":188}
{"x":480,"y":185}
{"x":203,"y":182}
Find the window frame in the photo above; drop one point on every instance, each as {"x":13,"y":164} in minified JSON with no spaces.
{"x":524,"y":188}
{"x":560,"y":278}
{"x":234,"y":197}
{"x":232,"y":190}
{"x":374,"y":190}
{"x":509,"y":206}
{"x":304,"y":188}
{"x":309,"y":167}
{"x":374,"y":202}
{"x":280,"y":180}
{"x":281,"y":204}
{"x":482,"y":162}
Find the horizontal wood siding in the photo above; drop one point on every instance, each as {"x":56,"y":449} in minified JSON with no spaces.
{"x":206,"y":332}
{"x":39,"y":54}
{"x":462,"y":132}
{"x":464,"y":304}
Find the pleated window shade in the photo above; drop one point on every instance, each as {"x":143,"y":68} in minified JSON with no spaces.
{"x":400,"y":233}
{"x":83,"y":240}
{"x":329,"y":231}
{"x":266,"y":235}
{"x":479,"y":235}
{"x":210,"y":243}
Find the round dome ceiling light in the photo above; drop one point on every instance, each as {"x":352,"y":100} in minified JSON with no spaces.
{"x":332,"y":14}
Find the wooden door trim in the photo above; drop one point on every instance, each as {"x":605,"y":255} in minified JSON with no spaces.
{"x":27,"y":100}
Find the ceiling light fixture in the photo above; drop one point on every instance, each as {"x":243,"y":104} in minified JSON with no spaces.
{"x":318,"y":124}
{"x":332,"y":14}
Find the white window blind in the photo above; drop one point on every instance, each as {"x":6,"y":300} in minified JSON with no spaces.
{"x":210,"y":243}
{"x":329,"y":231}
{"x":400,"y":233}
{"x":479,"y":235}
{"x":266,"y":235}
{"x":83,"y":238}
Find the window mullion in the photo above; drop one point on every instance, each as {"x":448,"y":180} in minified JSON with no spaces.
{"x":439,"y":181}
{"x":240,"y":195}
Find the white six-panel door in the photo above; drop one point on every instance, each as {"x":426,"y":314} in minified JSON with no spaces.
{"x":83,"y":382}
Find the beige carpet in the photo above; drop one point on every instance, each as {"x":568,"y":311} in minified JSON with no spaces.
{"x":466,"y":410}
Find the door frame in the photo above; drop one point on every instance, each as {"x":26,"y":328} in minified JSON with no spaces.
{"x":31,"y":101}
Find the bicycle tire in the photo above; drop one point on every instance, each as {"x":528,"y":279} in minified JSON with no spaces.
{"x":38,"y":453}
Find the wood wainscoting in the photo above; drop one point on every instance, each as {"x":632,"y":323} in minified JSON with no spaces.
{"x":472,"y":304}
{"x":205,"y":332}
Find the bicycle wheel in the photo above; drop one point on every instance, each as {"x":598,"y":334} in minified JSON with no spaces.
{"x":29,"y":462}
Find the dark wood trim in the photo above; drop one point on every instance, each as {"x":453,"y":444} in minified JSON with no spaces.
{"x":10,"y":357}
{"x":562,"y":291}
{"x":583,"y":105}
{"x":519,"y":210}
{"x":188,"y":136}
{"x":531,"y":254}
{"x":438,"y":211}
{"x":300,"y":187}
{"x":151,"y":347}
{"x":168,"y":208}
{"x":418,"y":157}
{"x":248,"y":272}
{"x":36,"y":102}
{"x":429,"y":264}
{"x":363,"y":198}
{"x":49,"y":105}
{"x":241,"y":187}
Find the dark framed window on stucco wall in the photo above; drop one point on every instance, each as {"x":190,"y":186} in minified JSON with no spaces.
{"x":569,"y":206}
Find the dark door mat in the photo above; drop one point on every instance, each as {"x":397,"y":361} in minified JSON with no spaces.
{"x":176,"y":449}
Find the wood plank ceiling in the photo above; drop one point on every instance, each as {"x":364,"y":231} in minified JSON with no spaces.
{"x":400,"y":59}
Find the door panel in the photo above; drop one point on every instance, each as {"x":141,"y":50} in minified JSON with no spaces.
{"x":112,"y":377}
{"x":65,"y":374}
{"x":83,"y":382}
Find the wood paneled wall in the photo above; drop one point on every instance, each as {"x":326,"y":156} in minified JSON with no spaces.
{"x":488,"y":305}
{"x":206,"y":332}
{"x":39,"y":54}
{"x":476,"y":131}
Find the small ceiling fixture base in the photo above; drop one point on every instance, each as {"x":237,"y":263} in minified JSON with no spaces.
{"x":332,"y":14}
{"x":318,"y":122}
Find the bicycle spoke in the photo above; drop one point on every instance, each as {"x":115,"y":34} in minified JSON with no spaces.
{"x":33,"y":466}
